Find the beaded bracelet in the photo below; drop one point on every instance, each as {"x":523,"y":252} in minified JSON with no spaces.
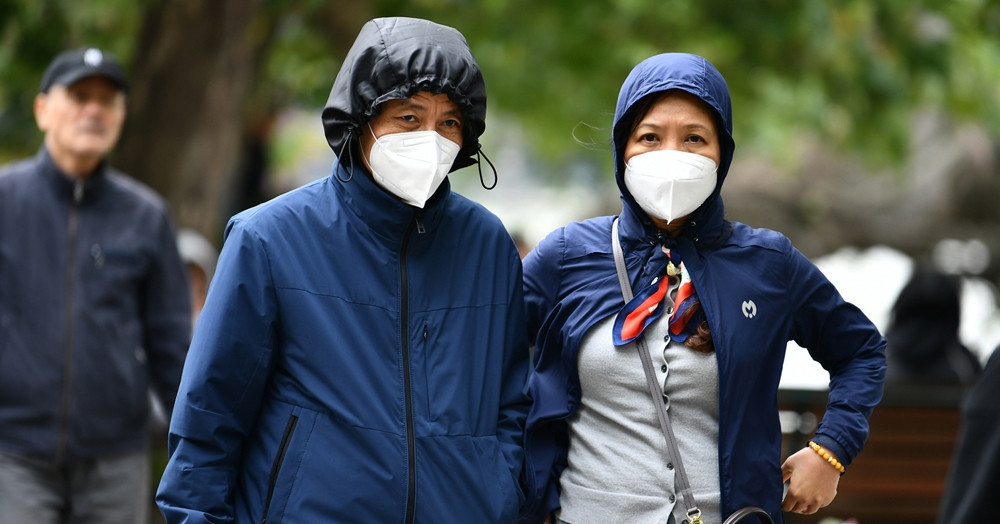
{"x":827,"y":456}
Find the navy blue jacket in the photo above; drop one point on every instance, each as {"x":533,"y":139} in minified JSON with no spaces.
{"x":758,"y":293}
{"x":94,"y":308}
{"x":346,"y":333}
{"x":358,"y":359}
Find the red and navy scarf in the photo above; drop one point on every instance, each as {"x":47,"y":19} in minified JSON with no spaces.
{"x":647,"y":305}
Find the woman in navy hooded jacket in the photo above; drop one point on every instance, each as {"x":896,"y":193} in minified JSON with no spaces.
{"x":361,"y":355}
{"x":732,"y":298}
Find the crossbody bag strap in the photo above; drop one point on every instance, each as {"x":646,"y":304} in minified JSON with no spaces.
{"x":655,"y":391}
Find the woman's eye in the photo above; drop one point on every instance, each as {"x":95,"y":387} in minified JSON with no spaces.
{"x":408,"y":118}
{"x":648,"y":137}
{"x":696,"y":139}
{"x":452,"y":123}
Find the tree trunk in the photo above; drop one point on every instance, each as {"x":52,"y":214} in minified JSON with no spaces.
{"x":194,"y":66}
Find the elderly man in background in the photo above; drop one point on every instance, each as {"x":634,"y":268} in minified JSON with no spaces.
{"x":94,"y":310}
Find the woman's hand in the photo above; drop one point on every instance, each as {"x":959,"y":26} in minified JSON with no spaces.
{"x":813,"y":482}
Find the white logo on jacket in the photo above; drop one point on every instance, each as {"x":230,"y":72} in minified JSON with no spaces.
{"x":749,"y":309}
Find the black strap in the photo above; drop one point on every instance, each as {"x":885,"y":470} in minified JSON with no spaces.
{"x":743,"y":513}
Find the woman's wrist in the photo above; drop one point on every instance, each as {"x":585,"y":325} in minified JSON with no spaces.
{"x":828,"y":456}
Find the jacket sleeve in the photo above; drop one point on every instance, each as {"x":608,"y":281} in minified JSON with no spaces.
{"x":846,"y":343}
{"x":224,"y":380}
{"x":541,"y":282}
{"x":514,"y":403}
{"x":166,"y":315}
{"x":544,"y":442}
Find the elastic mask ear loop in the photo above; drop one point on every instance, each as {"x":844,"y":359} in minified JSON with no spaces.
{"x":362,"y":151}
{"x":350,"y":165}
{"x":482,"y":156}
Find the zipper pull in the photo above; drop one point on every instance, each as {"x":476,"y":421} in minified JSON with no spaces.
{"x":420,"y":224}
{"x":78,"y":191}
{"x":425,"y":331}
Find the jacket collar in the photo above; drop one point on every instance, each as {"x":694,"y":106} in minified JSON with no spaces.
{"x":385,"y":215}
{"x":66,"y":186}
{"x":704,"y":226}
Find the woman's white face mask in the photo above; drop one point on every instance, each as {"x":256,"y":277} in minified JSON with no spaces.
{"x":669,"y":184}
{"x":413,"y":164}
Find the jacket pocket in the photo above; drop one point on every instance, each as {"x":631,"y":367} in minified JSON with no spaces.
{"x":506,"y":491}
{"x":279,"y":458}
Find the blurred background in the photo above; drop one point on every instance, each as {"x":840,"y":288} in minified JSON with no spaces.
{"x":866,"y":130}
{"x":858,"y":123}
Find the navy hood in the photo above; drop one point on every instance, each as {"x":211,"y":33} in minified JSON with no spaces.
{"x":394,"y":58}
{"x":685,"y":72}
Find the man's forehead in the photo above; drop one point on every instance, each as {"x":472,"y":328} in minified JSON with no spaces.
{"x":422,"y":98}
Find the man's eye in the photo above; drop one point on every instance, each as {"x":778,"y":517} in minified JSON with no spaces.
{"x":409,"y":118}
{"x":452,"y":123}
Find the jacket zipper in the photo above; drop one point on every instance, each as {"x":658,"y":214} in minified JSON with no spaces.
{"x":71,"y":238}
{"x":411,"y":460}
{"x":286,"y":439}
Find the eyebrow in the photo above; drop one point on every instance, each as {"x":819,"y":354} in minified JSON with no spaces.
{"x":693,"y":125}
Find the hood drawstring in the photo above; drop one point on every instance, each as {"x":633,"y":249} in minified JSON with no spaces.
{"x":350,"y":154}
{"x":482,"y":156}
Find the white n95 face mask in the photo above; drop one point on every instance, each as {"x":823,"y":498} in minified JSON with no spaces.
{"x":412,"y":165}
{"x":669,"y":184}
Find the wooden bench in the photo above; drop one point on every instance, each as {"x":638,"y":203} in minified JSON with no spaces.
{"x":901,"y":473}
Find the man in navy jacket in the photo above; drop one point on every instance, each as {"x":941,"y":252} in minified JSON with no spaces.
{"x":362,"y":354}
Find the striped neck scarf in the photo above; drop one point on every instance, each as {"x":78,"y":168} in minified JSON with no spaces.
{"x":648,"y":304}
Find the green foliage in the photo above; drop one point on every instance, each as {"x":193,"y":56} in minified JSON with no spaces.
{"x":848,"y":73}
{"x":300,"y":65}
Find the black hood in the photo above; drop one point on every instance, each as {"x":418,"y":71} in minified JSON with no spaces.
{"x":394,"y":58}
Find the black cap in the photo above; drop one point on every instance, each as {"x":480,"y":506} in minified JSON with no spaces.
{"x":72,"y":66}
